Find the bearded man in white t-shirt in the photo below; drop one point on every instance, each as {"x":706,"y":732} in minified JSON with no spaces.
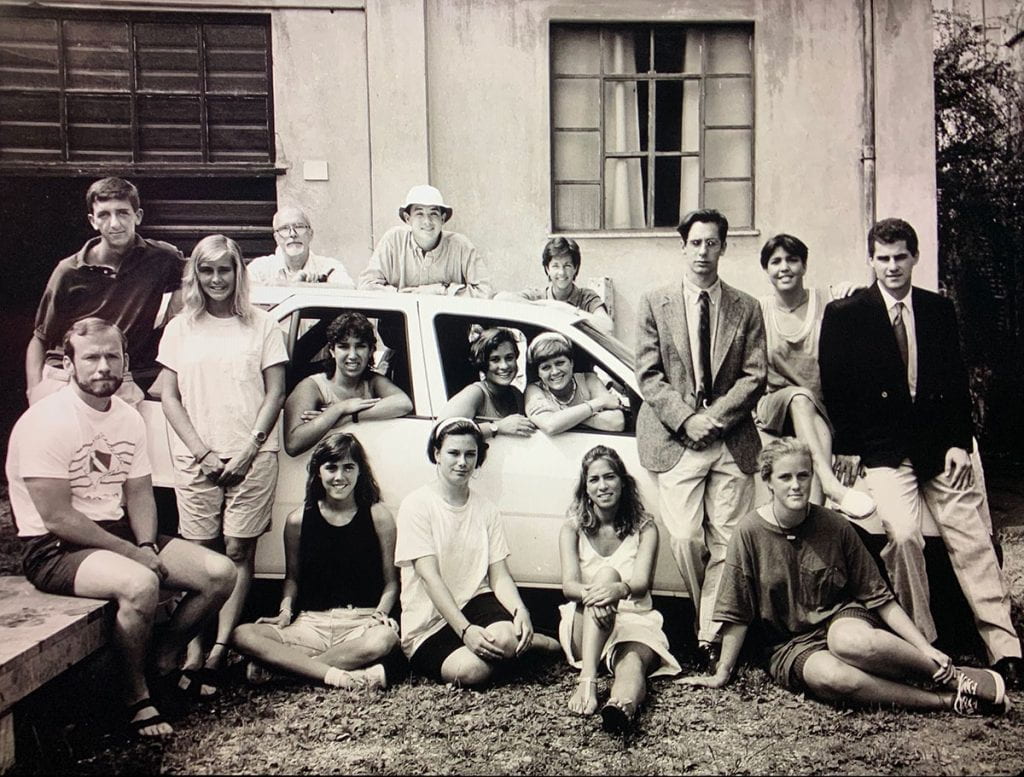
{"x":82,"y":495}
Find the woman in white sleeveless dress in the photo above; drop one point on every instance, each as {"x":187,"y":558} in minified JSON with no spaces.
{"x":608,"y":549}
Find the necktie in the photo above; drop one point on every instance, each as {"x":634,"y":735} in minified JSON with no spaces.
{"x":704,"y":334}
{"x":899,"y":328}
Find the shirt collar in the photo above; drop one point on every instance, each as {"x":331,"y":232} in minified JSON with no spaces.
{"x":890,"y":301}
{"x":419,"y":251}
{"x":692,"y":291}
{"x":130,"y":257}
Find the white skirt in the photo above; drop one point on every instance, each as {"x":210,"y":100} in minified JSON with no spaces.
{"x":644,"y":627}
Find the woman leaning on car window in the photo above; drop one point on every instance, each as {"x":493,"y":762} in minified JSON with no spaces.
{"x":493,"y":400}
{"x":346,"y":392}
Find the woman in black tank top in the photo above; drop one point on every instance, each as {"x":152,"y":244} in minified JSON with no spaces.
{"x":340,"y":578}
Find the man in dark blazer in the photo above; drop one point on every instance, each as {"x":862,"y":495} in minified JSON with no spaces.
{"x":701,"y":365}
{"x":896,"y":391}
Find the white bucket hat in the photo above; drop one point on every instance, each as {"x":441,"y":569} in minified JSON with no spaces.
{"x":424,"y":195}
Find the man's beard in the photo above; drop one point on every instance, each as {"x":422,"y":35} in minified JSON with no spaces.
{"x":109,"y":386}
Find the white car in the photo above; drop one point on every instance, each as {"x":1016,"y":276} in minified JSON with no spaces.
{"x":530,"y":479}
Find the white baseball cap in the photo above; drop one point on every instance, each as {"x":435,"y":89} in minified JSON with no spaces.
{"x":424,"y":194}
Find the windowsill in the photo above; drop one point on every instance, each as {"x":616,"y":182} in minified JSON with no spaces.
{"x":72,"y":169}
{"x":643,"y":233}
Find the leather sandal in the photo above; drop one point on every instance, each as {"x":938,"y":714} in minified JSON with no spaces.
{"x":617,"y":717}
{"x":135,"y":726}
{"x":196,"y":679}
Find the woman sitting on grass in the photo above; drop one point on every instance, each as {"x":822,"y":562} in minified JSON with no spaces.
{"x":461,"y":612}
{"x":561,"y":399}
{"x":340,"y":577}
{"x":347,"y":390}
{"x":493,"y":399}
{"x":801,"y":576}
{"x":608,"y":549}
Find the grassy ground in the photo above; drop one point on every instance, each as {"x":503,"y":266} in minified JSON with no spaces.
{"x":752,"y":727}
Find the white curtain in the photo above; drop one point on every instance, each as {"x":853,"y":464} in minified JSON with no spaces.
{"x":624,"y":189}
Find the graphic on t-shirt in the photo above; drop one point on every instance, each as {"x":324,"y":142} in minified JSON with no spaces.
{"x":100,"y":467}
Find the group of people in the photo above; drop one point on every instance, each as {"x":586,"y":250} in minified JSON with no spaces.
{"x":860,"y":384}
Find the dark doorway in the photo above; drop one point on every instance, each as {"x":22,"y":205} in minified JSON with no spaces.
{"x":42,"y":220}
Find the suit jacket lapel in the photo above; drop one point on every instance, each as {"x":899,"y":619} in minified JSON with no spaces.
{"x":887,"y":348}
{"x":675,"y":312}
{"x":728,"y":321}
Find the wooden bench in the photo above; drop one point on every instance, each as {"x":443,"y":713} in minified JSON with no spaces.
{"x":41,"y":635}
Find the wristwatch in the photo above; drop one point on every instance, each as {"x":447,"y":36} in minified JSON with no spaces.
{"x":258,"y":437}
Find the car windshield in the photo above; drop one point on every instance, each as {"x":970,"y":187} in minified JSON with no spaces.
{"x":614,"y":345}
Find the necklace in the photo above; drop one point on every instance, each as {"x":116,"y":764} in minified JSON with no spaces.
{"x":559,"y":402}
{"x":790,"y":531}
{"x":793,"y":308}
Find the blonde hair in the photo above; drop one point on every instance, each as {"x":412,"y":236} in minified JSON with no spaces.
{"x":211,"y":248}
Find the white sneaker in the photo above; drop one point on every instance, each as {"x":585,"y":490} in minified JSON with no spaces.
{"x":373,"y":678}
{"x":856,"y":504}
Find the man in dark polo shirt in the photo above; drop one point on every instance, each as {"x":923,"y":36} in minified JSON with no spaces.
{"x":119,"y":276}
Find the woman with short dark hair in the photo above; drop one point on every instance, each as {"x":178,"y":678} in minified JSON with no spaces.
{"x":494,"y":399}
{"x":792,"y":402}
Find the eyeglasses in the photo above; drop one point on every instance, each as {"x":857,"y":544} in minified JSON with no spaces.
{"x":298,"y":229}
{"x":711,"y":242}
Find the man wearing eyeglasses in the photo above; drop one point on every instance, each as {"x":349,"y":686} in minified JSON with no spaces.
{"x":420,"y":257}
{"x":293,"y":261}
{"x":701,"y":365}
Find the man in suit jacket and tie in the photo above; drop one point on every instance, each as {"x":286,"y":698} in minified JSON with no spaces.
{"x":896,"y":391}
{"x":701,"y":365}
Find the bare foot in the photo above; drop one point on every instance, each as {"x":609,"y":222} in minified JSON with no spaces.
{"x":584,"y":699}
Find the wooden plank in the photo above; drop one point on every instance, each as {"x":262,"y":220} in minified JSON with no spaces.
{"x":6,"y":742}
{"x":242,"y":212}
{"x":42,"y":635}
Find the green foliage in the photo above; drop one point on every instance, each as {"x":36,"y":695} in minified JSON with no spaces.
{"x":979,"y":104}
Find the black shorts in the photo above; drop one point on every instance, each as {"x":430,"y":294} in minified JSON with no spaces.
{"x":482,"y":610}
{"x":51,"y":563}
{"x":787,"y":662}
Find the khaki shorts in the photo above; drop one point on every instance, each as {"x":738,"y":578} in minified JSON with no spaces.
{"x":316,"y":632}
{"x":207,"y":510}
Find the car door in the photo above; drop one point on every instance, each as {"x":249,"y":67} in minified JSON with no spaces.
{"x":391,"y":445}
{"x":532,"y":479}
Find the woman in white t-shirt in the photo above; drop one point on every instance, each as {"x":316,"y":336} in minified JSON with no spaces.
{"x":461,"y":611}
{"x":223,"y":387}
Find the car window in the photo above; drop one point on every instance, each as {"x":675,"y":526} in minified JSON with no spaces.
{"x":453,"y":330}
{"x":307,"y":344}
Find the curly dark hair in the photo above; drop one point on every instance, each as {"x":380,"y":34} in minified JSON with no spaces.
{"x":630,"y":517}
{"x":335,"y":447}
{"x":350,"y":324}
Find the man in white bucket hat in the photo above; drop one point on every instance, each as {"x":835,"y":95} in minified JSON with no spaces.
{"x":420,"y":257}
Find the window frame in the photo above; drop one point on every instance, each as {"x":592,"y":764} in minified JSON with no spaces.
{"x":650,"y":77}
{"x":451,"y":323}
{"x":67,"y":165}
